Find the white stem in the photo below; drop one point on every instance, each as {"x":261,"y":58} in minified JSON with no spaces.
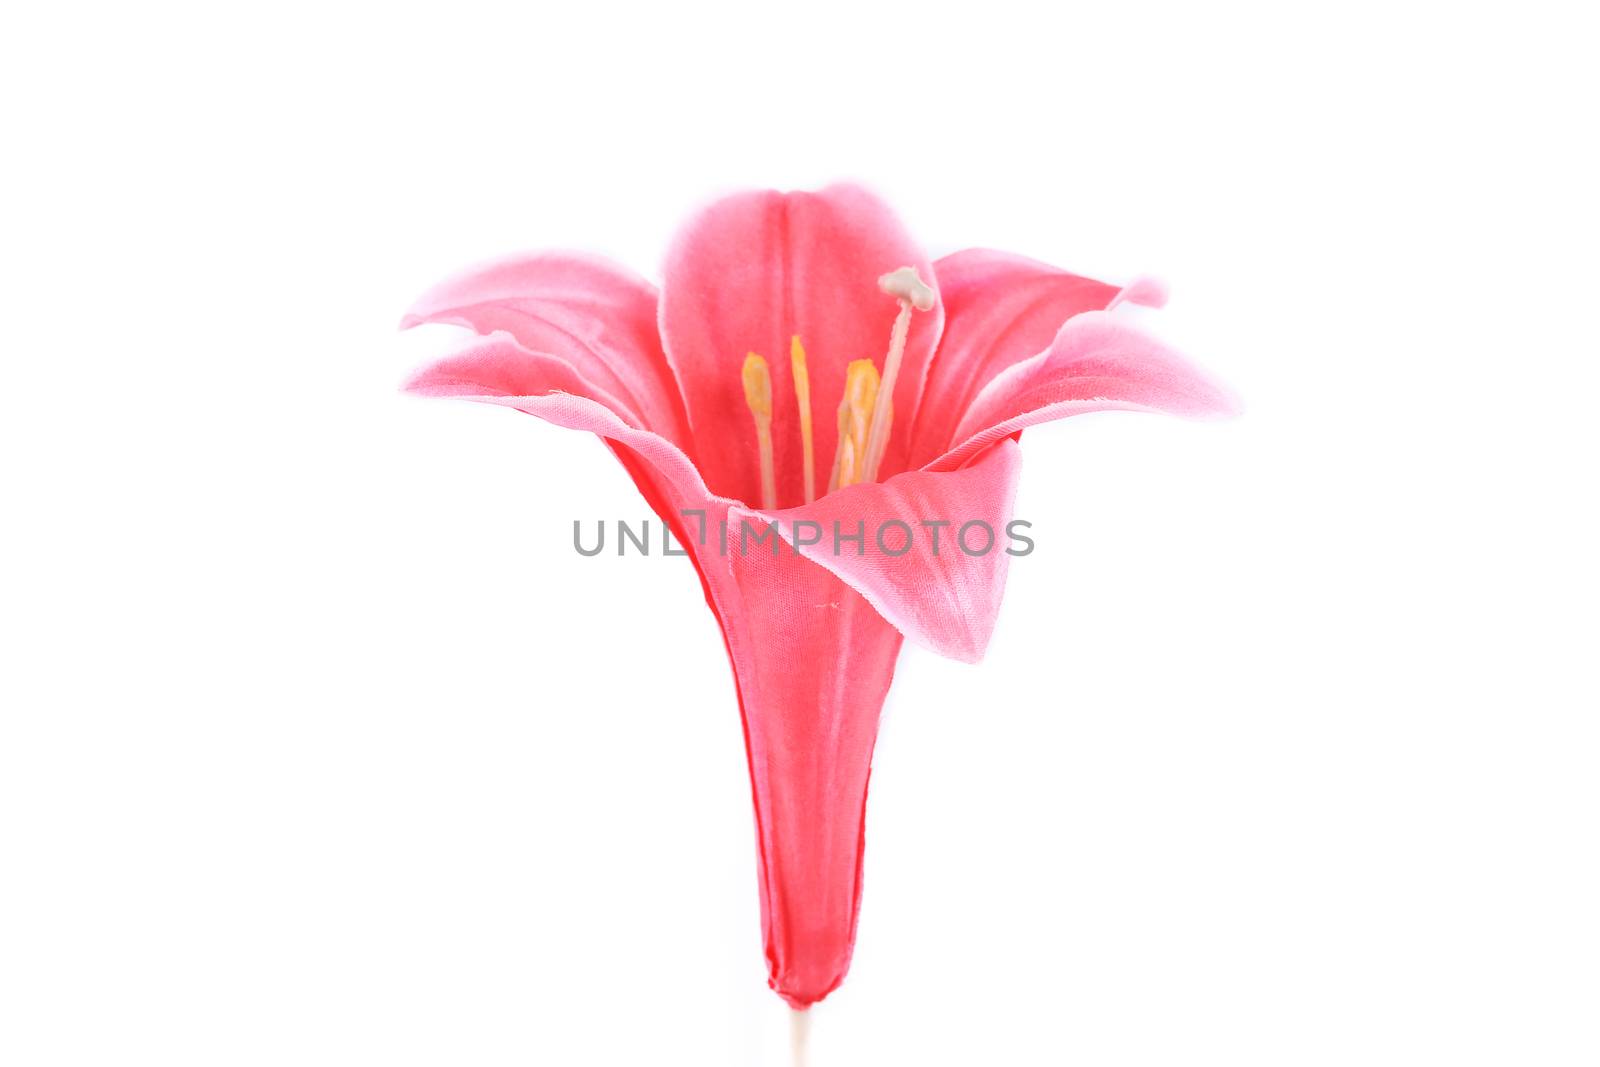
{"x":799,"y":1031}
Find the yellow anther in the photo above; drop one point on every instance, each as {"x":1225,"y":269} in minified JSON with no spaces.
{"x":847,"y":463}
{"x":838,"y":449}
{"x":866,"y":410}
{"x":802,"y":396}
{"x":757,"y":386}
{"x":855,"y":418}
{"x":758,"y":394}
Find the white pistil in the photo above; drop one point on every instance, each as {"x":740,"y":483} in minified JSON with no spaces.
{"x":912,"y":292}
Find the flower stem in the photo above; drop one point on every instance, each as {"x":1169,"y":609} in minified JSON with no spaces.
{"x":799,"y":1031}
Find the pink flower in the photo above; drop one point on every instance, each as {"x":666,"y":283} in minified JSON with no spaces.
{"x":679,"y":385}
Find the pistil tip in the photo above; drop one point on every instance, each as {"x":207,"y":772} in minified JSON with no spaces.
{"x":903,"y":284}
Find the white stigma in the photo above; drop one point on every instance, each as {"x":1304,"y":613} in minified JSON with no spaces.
{"x":903,"y":284}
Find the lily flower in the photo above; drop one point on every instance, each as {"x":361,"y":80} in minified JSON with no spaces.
{"x":907,"y":385}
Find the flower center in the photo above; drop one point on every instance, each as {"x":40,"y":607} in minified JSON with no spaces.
{"x":866,"y":408}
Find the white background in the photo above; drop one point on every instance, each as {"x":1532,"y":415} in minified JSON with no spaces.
{"x":321,"y":746}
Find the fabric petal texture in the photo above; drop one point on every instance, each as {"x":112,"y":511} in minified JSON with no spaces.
{"x":813,"y":598}
{"x":1097,"y":362}
{"x":1000,"y":309}
{"x":812,"y":661}
{"x":497,"y":370}
{"x":927,"y":549}
{"x":594,"y":316}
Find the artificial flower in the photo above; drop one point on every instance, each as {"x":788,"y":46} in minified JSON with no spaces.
{"x":805,"y":365}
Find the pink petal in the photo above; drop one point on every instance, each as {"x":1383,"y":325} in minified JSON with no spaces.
{"x":940,"y":594}
{"x":496,"y":370}
{"x":809,"y":730}
{"x":812,"y":661}
{"x":812,"y":635}
{"x":592,"y":315}
{"x":1000,"y":309}
{"x":757,"y":268}
{"x":1097,"y":362}
{"x":813,"y":640}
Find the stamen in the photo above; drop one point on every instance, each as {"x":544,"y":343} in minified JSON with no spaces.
{"x":904,"y":285}
{"x":861,"y":390}
{"x":758,"y":394}
{"x":802,"y":396}
{"x":838,"y":450}
{"x":847,"y":463}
